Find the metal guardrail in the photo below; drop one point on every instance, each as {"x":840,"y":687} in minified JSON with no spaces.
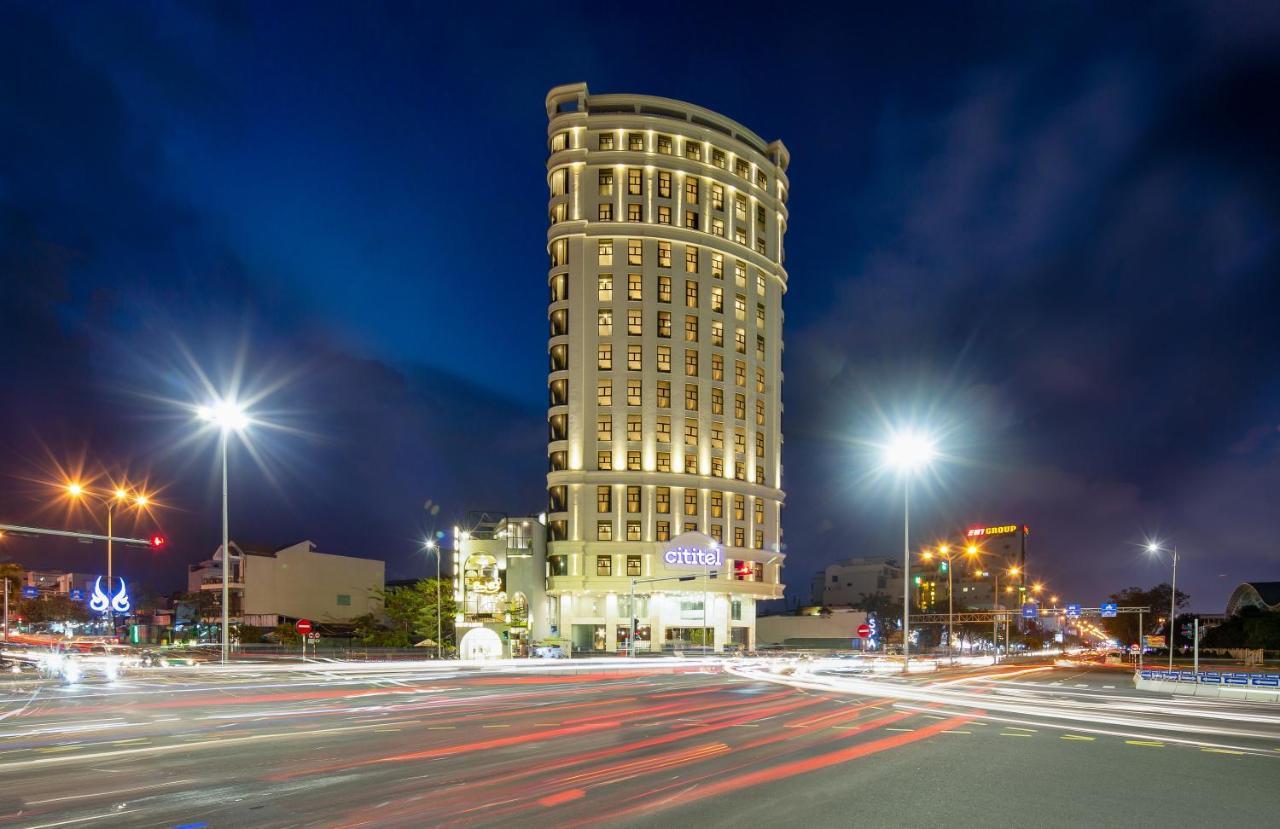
{"x":1217,"y":678}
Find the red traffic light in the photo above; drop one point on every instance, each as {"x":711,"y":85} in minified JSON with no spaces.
{"x":158,"y":541}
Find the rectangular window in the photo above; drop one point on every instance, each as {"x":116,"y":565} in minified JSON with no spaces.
{"x":717,"y":197}
{"x":664,"y":530}
{"x":760,"y":412}
{"x":664,"y":185}
{"x":664,"y":461}
{"x":717,"y":467}
{"x":760,"y":216}
{"x":741,"y":167}
{"x":664,"y":289}
{"x":759,"y":283}
{"x":662,"y":500}
{"x":692,"y":527}
{"x":691,"y":433}
{"x":739,"y":537}
{"x":760,"y":473}
{"x":739,"y":507}
{"x":634,"y":361}
{"x":664,"y":324}
{"x":604,"y":393}
{"x":633,"y":562}
{"x":633,"y":427}
{"x":759,"y":346}
{"x":717,"y":333}
{"x":633,"y":393}
{"x":635,"y":252}
{"x":605,"y":212}
{"x":717,"y":533}
{"x":633,"y":499}
{"x":664,"y":254}
{"x":344,"y":599}
{"x":691,"y":293}
{"x":664,"y":214}
{"x":604,"y":499}
{"x":740,"y":341}
{"x":740,"y":406}
{"x":735,"y":610}
{"x":717,"y":300}
{"x":740,"y":373}
{"x":635,"y":322}
{"x":739,"y":440}
{"x":604,"y":251}
{"x":664,"y":144}
{"x":633,"y":461}
{"x":759,"y":444}
{"x":759,"y":510}
{"x":690,"y":501}
{"x":740,"y":307}
{"x":691,"y":362}
{"x":606,"y":182}
{"x":604,"y":461}
{"x":693,"y":150}
{"x":691,"y":219}
{"x":717,"y":401}
{"x":635,"y":182}
{"x":664,"y":359}
{"x":691,"y":190}
{"x":717,"y":363}
{"x":606,"y":141}
{"x":740,"y":274}
{"x":635,"y":212}
{"x":664,"y":429}
{"x":635,"y":287}
{"x":759,"y":541}
{"x":717,"y":264}
{"x":762,"y":181}
{"x":605,"y":282}
{"x":604,"y":564}
{"x":760,"y":247}
{"x":633,"y":534}
{"x":664,"y":394}
{"x":604,"y":320}
{"x":717,"y":435}
{"x":760,"y":380}
{"x":691,"y":328}
{"x":740,"y":208}
{"x":760,"y":315}
{"x":604,"y":427}
{"x":718,"y":158}
{"x":690,"y":259}
{"x":604,"y":357}
{"x":691,"y":397}
{"x":717,"y":227}
{"x":717,"y":505}
{"x":740,"y":236}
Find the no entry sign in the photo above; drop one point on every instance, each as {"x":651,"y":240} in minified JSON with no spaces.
{"x":864,"y":630}
{"x":303,"y":626}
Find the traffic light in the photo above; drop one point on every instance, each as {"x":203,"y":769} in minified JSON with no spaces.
{"x":917,"y":579}
{"x":942,"y":567}
{"x":158,"y":541}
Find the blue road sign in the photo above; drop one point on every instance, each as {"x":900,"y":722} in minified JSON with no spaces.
{"x":1108,"y":609}
{"x":77,"y":594}
{"x":1029,"y":610}
{"x":29,"y":592}
{"x":1073,"y":610}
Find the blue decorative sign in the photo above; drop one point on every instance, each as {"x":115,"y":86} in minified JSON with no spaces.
{"x":1029,"y":610}
{"x":29,"y":592}
{"x":1073,"y":610}
{"x":1108,"y":610}
{"x":118,"y":602}
{"x":76,"y":594}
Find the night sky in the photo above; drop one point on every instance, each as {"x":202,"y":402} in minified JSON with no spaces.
{"x":1046,"y":232}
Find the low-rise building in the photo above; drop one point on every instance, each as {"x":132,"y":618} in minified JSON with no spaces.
{"x":270,"y":586}
{"x":56,"y":582}
{"x":847,"y":583}
{"x":830,"y":629}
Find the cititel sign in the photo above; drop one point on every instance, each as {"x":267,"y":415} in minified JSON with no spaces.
{"x":693,"y":550}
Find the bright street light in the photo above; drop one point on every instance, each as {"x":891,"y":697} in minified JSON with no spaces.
{"x":119,"y":496}
{"x":907,"y":452}
{"x":229,"y":416}
{"x":430,"y":545}
{"x":1154,"y":548}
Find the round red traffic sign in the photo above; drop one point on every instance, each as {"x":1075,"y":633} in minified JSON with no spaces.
{"x":864,"y":630}
{"x":1134,"y":649}
{"x":303,"y":626}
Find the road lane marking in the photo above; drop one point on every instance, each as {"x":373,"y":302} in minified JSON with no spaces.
{"x":496,"y":726}
{"x":957,"y":732}
{"x":80,"y":819}
{"x":1151,"y":743}
{"x":1003,"y":734}
{"x":1076,"y":737}
{"x":1224,"y":751}
{"x":899,"y":729}
{"x":441,"y":727}
{"x":111,"y":793}
{"x":1019,"y":728}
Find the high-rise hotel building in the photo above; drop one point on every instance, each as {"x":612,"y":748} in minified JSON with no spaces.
{"x":664,"y":416}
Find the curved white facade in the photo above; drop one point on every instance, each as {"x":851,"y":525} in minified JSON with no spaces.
{"x":666,"y":285}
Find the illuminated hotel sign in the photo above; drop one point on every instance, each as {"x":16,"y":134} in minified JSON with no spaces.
{"x":693,"y":550}
{"x":983,"y":532}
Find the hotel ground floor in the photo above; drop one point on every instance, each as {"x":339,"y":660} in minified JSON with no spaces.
{"x":592,"y":621}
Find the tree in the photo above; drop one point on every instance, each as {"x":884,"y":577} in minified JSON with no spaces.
{"x":1250,"y":628}
{"x":880,"y":605}
{"x":1125,"y":626}
{"x":411,"y":611}
{"x":286,"y":634}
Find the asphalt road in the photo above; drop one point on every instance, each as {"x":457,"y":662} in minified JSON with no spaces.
{"x":412,"y":746}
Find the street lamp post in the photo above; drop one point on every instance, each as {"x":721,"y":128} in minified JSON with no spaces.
{"x":1153,"y":548}
{"x":907,"y":452}
{"x":229,"y":417}
{"x":431,"y":545}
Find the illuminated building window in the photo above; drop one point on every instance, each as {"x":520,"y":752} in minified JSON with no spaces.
{"x":691,"y":189}
{"x":740,"y":236}
{"x":717,"y":533}
{"x":664,"y":254}
{"x":739,"y":507}
{"x":717,"y":197}
{"x":760,"y":216}
{"x":633,"y":562}
{"x":740,"y":274}
{"x":605,"y":282}
{"x":717,"y":264}
{"x":635,"y":182}
{"x":635,"y":141}
{"x":762,"y":181}
{"x":718,"y":158}
{"x":739,"y":537}
{"x":604,"y":357}
{"x":690,"y":259}
{"x":604,"y":499}
{"x":760,"y":444}
{"x":635,"y":286}
{"x":740,"y":341}
{"x":691,"y":293}
{"x":664,"y":461}
{"x":717,"y":227}
{"x":635,"y":212}
{"x":717,"y":504}
{"x":633,"y":461}
{"x":740,"y":307}
{"x":759,"y":346}
{"x":740,"y":373}
{"x":760,"y":246}
{"x":741,"y":167}
{"x":717,"y":435}
{"x":691,"y":433}
{"x":759,"y":412}
{"x":691,"y":219}
{"x":760,"y":380}
{"x":633,"y":534}
{"x":693,"y":150}
{"x":633,"y":499}
{"x":760,"y":473}
{"x":559,"y":141}
{"x":604,"y":251}
{"x":560,"y":182}
{"x":635,"y":252}
{"x":664,"y":185}
{"x":740,"y":471}
{"x":760,"y":315}
{"x":633,"y":427}
{"x":739,"y":440}
{"x":691,"y":362}
{"x":604,"y":564}
{"x":758,"y":568}
{"x":717,"y":467}
{"x":633,"y":393}
{"x":604,"y":393}
{"x":634,"y":360}
{"x":740,"y":208}
{"x":759,"y":510}
{"x":662,"y":500}
{"x":664,"y":394}
{"x":604,"y":461}
{"x":664,"y":214}
{"x":635,"y":322}
{"x":664,"y":358}
{"x":606,"y":141}
{"x":717,"y":401}
{"x":605,"y":212}
{"x":691,"y":397}
{"x":605,"y":322}
{"x":690,"y":501}
{"x":691,"y":527}
{"x":717,"y":333}
{"x":740,"y":406}
{"x":606,"y":182}
{"x":760,"y":283}
{"x":604,"y":427}
{"x":664,"y":289}
{"x":717,"y":360}
{"x":691,"y":328}
{"x":759,"y":539}
{"x":664,"y":144}
{"x":691,"y":464}
{"x":663,"y":428}
{"x":664,"y":530}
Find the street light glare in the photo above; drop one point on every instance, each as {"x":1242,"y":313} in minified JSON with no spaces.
{"x":909,"y":451}
{"x":972,"y":549}
{"x":226,"y":414}
{"x":142,"y":500}
{"x":1153,"y":547}
{"x":75,"y":490}
{"x":121,"y":495}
